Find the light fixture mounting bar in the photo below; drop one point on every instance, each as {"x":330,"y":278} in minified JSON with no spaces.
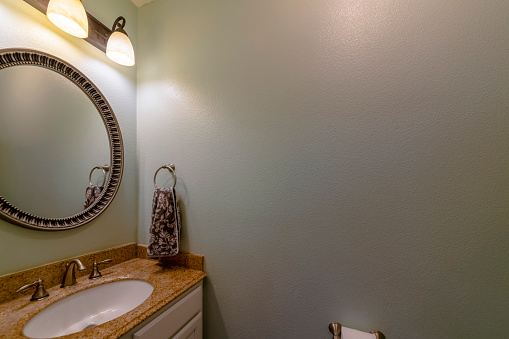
{"x":98,"y":34}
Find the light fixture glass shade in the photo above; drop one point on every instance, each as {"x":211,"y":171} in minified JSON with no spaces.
{"x":70,"y":16}
{"x":120,"y":49}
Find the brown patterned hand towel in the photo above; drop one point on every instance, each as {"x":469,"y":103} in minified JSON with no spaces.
{"x":165,"y":226}
{"x":91,"y":194}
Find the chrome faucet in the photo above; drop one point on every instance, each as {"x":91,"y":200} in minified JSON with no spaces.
{"x":70,"y":272}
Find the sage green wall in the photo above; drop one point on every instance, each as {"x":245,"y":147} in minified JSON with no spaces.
{"x":23,"y":26}
{"x":337,"y":160}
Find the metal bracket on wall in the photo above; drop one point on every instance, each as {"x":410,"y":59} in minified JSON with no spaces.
{"x":98,"y":34}
{"x":335,"y":329}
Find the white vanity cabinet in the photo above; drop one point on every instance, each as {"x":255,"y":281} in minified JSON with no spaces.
{"x":181,"y":319}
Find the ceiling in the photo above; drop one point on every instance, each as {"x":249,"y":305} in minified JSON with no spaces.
{"x":140,"y":3}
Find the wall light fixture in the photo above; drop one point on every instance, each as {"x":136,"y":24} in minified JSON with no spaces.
{"x":119,"y":47}
{"x":70,"y":16}
{"x":97,"y":34}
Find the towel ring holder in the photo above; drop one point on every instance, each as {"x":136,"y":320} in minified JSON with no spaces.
{"x":169,"y":167}
{"x":104,"y":168}
{"x":335,"y":329}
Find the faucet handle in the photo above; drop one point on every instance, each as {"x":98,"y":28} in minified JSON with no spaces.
{"x":95,"y":270}
{"x":40,"y":291}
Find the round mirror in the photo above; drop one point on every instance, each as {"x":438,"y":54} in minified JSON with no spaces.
{"x":60,"y":144}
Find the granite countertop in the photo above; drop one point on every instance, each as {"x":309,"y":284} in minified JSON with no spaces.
{"x":168,"y":281}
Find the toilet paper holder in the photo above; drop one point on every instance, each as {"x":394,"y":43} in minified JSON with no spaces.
{"x":335,"y":329}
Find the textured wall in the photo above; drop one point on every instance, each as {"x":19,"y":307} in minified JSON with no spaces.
{"x":338,"y":160}
{"x":23,"y":26}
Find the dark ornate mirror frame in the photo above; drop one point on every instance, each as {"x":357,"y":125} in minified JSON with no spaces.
{"x":9,"y":212}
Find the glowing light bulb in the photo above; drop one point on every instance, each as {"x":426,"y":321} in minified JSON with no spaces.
{"x":119,"y":47}
{"x":70,"y":16}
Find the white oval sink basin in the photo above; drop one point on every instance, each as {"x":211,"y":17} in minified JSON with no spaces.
{"x":88,"y":308}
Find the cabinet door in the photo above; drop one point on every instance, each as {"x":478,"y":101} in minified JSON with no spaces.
{"x":175,"y":318}
{"x":193,"y":329}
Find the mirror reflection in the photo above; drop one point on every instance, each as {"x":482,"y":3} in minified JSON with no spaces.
{"x":51,"y":137}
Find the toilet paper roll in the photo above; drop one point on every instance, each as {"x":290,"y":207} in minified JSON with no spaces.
{"x":350,"y":333}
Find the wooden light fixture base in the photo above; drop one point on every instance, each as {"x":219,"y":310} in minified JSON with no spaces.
{"x":98,"y":34}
